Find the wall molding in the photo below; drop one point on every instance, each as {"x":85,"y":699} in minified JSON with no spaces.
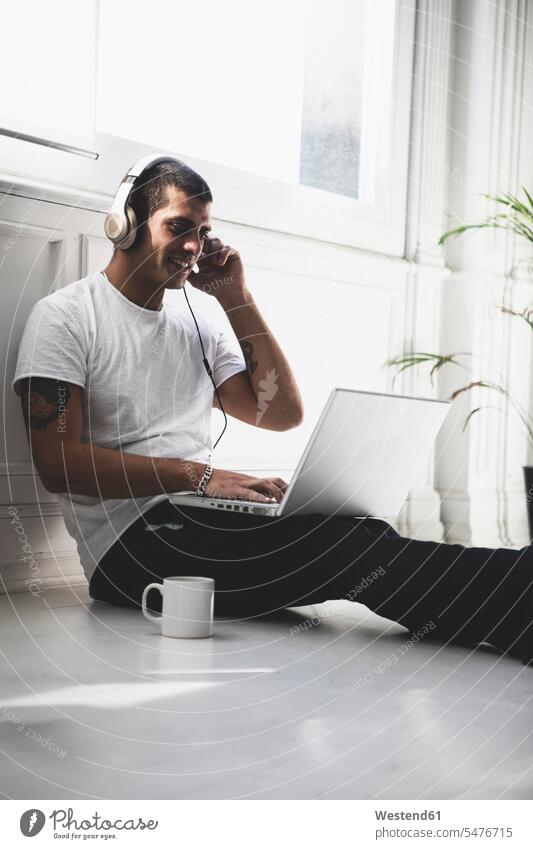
{"x":60,"y":570}
{"x":33,"y":189}
{"x":420,"y":516}
{"x":36,"y":509}
{"x":479,"y":471}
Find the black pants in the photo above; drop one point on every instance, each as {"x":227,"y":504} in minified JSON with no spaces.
{"x":263,"y":564}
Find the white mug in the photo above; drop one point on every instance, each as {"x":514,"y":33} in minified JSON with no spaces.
{"x":187,"y":609}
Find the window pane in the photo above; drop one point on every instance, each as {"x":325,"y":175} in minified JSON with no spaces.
{"x":332,"y":95}
{"x":47,"y":62}
{"x":281,"y":95}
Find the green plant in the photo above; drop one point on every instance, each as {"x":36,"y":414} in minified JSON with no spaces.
{"x":518,"y":219}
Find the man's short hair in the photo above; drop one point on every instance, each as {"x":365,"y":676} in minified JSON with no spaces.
{"x":149,"y":189}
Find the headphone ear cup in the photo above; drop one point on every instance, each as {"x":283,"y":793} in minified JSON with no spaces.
{"x":131,"y":231}
{"x":115,"y":226}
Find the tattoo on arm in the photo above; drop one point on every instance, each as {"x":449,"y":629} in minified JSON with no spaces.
{"x":44,"y":400}
{"x":248,"y":349}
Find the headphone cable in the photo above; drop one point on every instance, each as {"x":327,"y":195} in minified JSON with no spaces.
{"x":210,"y":373}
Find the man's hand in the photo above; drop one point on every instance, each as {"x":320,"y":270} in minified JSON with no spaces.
{"x":221,"y":271}
{"x":272,"y":384}
{"x":226,"y":484}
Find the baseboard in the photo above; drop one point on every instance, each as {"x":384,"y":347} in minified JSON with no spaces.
{"x":61,"y":570}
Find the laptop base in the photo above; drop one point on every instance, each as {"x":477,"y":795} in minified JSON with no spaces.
{"x":225,"y":504}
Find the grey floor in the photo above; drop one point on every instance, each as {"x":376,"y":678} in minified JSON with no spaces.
{"x":324,"y":702}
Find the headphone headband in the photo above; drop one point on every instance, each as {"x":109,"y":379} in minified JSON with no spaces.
{"x":120,"y":223}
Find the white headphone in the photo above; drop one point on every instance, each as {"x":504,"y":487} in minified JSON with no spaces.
{"x":121,"y":222}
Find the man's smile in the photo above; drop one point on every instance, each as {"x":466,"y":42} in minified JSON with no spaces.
{"x":180,"y":264}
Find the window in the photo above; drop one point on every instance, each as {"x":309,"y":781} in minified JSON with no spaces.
{"x":298,"y":117}
{"x":294,"y":115}
{"x":332,"y":96}
{"x":292,"y":94}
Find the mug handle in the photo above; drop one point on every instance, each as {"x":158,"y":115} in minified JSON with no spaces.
{"x":143,"y":602}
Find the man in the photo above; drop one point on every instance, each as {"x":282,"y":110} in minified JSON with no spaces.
{"x":117,"y":406}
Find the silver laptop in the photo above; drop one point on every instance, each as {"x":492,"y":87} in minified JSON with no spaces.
{"x":361,"y":459}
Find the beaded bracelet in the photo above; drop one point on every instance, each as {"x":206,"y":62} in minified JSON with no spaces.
{"x":205,"y":480}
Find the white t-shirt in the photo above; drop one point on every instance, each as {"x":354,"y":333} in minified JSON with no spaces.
{"x":146,"y":390}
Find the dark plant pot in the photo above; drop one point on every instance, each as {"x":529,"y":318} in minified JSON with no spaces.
{"x":528,"y":480}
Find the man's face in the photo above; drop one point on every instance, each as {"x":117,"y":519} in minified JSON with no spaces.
{"x":173,"y":240}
